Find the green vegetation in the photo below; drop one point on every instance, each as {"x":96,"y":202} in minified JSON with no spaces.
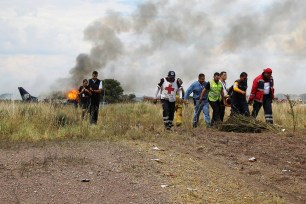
{"x":44,"y":121}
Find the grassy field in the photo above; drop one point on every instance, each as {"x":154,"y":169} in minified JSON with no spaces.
{"x":198,"y":165}
{"x":36,"y":122}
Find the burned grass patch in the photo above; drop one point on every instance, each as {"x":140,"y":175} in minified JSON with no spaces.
{"x":243,"y":124}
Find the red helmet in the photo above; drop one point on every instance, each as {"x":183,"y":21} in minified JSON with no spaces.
{"x":268,"y":70}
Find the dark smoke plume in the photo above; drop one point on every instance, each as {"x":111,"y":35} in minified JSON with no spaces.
{"x":192,"y":37}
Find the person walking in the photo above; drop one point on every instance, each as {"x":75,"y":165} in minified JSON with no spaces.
{"x":239,"y":103}
{"x":167,"y":88}
{"x":84,"y":95}
{"x":179,"y":106}
{"x":262,"y":94}
{"x":223,"y":77}
{"x":95,"y":86}
{"x":196,"y":89}
{"x":215,"y":96}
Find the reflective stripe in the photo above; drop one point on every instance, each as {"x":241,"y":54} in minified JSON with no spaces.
{"x":268,"y":116}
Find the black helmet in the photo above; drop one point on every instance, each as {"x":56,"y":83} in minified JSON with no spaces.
{"x":171,"y":74}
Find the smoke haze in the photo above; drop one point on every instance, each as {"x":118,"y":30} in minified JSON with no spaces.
{"x":190,"y":37}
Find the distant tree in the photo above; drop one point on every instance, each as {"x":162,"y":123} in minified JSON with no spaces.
{"x":132,"y":97}
{"x":113,"y":90}
{"x":303,"y":97}
{"x":128,"y":98}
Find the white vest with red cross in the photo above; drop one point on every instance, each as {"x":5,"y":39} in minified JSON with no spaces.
{"x":168,"y":90}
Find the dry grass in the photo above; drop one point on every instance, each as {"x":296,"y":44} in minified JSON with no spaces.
{"x":37,"y":122}
{"x":40,"y":122}
{"x":129,"y":122}
{"x":242,"y":124}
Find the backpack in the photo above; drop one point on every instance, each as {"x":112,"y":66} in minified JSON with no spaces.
{"x":230,"y":91}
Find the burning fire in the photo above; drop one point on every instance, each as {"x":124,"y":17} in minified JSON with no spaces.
{"x":73,"y":94}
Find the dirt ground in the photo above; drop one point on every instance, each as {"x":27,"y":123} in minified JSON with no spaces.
{"x":189,"y":167}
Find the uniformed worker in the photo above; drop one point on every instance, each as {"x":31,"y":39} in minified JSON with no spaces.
{"x":167,"y":88}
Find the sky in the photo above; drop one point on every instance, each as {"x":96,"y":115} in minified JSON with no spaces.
{"x":138,"y":42}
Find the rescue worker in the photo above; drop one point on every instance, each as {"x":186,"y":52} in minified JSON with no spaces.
{"x":239,"y":103}
{"x":262,"y":94}
{"x":95,"y":87}
{"x":196,"y":88}
{"x":223,"y":77}
{"x":215,"y":97}
{"x":179,"y":106}
{"x":84,"y":95}
{"x":167,"y":88}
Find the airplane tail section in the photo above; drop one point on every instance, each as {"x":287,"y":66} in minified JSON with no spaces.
{"x":26,"y":96}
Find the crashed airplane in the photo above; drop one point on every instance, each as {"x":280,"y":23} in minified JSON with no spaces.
{"x":26,"y":97}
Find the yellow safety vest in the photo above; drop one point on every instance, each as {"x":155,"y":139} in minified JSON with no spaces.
{"x":215,"y":91}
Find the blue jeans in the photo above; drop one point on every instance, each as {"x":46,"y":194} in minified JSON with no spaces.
{"x":204,"y":106}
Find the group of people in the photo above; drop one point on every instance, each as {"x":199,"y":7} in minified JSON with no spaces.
{"x":90,"y":95}
{"x":217,"y":95}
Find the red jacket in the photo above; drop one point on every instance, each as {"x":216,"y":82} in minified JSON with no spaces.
{"x":257,"y":92}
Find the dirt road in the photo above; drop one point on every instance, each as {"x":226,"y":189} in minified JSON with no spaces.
{"x":189,"y":167}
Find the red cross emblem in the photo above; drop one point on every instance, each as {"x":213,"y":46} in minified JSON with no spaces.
{"x":169,"y":89}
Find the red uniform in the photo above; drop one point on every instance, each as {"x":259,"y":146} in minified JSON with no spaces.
{"x":257,"y":92}
{"x":262,"y":94}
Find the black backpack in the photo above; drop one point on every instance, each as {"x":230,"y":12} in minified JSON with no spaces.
{"x":230,"y":91}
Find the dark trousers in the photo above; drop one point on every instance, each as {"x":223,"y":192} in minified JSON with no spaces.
{"x":222,"y":110}
{"x":240,"y":106}
{"x":216,"y":106}
{"x":94,"y":112}
{"x":85,"y":106}
{"x":267,"y":106}
{"x":168,"y":112}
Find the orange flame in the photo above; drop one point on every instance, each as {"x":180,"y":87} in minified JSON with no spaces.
{"x":73,"y":94}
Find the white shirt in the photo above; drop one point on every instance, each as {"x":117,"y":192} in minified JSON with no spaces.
{"x":100,"y":85}
{"x":224,"y":88}
{"x":267,"y":88}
